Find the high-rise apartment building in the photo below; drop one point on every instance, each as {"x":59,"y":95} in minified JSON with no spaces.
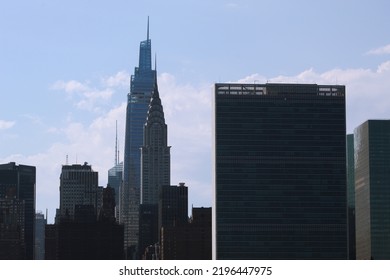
{"x":78,"y":190}
{"x":372,"y":189}
{"x":17,"y":211}
{"x":138,"y":100}
{"x":280,"y":172}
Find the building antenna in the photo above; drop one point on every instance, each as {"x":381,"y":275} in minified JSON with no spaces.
{"x":67,"y":161}
{"x":155,"y":62}
{"x":116,"y":143}
{"x":147,"y":32}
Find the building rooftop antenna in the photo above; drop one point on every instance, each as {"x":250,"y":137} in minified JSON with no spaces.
{"x":116,"y":143}
{"x":147,"y":31}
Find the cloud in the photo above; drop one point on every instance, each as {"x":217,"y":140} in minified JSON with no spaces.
{"x":187,"y":110}
{"x":70,"y":86}
{"x":367,"y":90}
{"x":188,"y":114}
{"x":93,"y":142}
{"x":122,"y":78}
{"x":6,"y":124}
{"x":380,"y":51}
{"x":231,"y":5}
{"x":86,"y":97}
{"x":94,"y":97}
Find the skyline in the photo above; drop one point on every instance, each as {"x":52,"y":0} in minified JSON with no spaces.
{"x":65,"y":68}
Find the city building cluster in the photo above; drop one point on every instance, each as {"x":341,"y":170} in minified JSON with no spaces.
{"x":288,"y":183}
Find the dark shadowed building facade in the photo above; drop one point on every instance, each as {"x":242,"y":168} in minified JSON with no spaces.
{"x":188,"y":241}
{"x":372,"y":189}
{"x":280,"y":172}
{"x":17,"y":211}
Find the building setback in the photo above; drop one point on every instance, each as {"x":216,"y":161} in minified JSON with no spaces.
{"x":280,"y":172}
{"x":372,"y":189}
{"x":17,"y":211}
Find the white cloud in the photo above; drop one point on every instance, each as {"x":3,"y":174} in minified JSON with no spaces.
{"x":122,"y":78}
{"x":6,"y":124}
{"x":70,"y":86}
{"x":367,"y":90}
{"x":93,"y":98}
{"x":380,"y":51}
{"x":187,"y":110}
{"x":188,"y":113}
{"x":87,"y":97}
{"x":93,"y":143}
{"x":231,"y":5}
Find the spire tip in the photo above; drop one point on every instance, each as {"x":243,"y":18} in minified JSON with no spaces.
{"x":147,"y":32}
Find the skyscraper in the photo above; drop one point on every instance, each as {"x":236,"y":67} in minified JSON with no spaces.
{"x":39,"y":246}
{"x":138,"y":100}
{"x":372,"y":189}
{"x":280,"y":172}
{"x":351,"y":196}
{"x":155,"y":152}
{"x":173,"y":205}
{"x":155,"y":170}
{"x":17,"y":211}
{"x":78,"y":190}
{"x":115,"y":175}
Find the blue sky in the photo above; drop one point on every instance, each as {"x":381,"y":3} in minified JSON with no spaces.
{"x":65,"y":67}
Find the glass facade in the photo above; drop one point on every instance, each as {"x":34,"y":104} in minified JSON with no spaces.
{"x":115,"y":175}
{"x":280,"y":172}
{"x":351,"y":196}
{"x":17,"y":211}
{"x":141,"y":88}
{"x":372,"y":179}
{"x":78,"y":186}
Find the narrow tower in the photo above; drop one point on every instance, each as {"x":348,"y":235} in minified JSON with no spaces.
{"x":115,"y":174}
{"x":155,"y":153}
{"x":141,"y":89}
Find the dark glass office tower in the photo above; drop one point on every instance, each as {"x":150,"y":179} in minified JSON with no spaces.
{"x":17,"y":211}
{"x":141,"y":88}
{"x":372,"y":189}
{"x":280,"y":172}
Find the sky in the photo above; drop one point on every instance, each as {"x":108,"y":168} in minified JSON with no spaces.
{"x":65,"y":68}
